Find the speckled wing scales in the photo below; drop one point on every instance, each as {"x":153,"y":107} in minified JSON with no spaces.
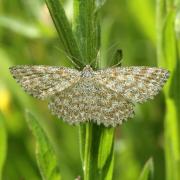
{"x":90,"y":101}
{"x":104,"y":96}
{"x":137,"y":84}
{"x":44,"y":81}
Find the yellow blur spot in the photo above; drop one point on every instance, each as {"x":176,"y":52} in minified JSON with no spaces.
{"x":4,"y":100}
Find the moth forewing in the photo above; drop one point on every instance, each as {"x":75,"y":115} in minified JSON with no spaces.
{"x":103,"y":96}
{"x":136,"y":83}
{"x":44,"y":81}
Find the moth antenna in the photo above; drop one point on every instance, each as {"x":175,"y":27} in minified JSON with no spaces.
{"x":73,"y":62}
{"x":70,"y":57}
{"x":110,"y":49}
{"x":96,"y":60}
{"x":113,"y":45}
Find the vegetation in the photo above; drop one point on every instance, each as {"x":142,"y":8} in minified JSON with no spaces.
{"x":146,"y":147}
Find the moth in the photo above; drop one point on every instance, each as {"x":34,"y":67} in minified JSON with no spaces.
{"x":104,"y":96}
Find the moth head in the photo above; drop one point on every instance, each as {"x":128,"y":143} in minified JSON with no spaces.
{"x":87,"y":71}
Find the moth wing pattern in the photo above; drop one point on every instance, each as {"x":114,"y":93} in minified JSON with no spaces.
{"x":136,"y":83}
{"x":103,"y":96}
{"x":43,"y":81}
{"x":90,"y":101}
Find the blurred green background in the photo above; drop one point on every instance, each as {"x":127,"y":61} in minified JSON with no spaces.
{"x":27,"y":36}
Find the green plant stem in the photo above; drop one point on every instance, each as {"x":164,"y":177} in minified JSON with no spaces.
{"x":98,"y":153}
{"x":87,"y":158}
{"x":87,"y":29}
{"x":96,"y":142}
{"x":168,"y":57}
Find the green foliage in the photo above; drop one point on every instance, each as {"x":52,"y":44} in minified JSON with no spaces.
{"x":98,"y":152}
{"x":147,"y":172}
{"x":145,"y":19}
{"x":3,"y":144}
{"x":47,"y":160}
{"x":168,"y":57}
{"x":23,"y":28}
{"x":64,"y":30}
{"x":117,"y":58}
{"x":97,"y":163}
{"x":96,"y":141}
{"x":27,"y":36}
{"x":87,"y":29}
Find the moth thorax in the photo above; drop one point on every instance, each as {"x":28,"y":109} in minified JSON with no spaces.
{"x":87,"y":71}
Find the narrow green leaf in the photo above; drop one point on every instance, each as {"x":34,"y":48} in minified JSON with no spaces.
{"x":87,"y":30}
{"x":168,"y":57}
{"x":99,"y":152}
{"x":105,"y":146}
{"x":47,"y":160}
{"x":65,"y":31}
{"x":105,"y":154}
{"x":147,"y":171}
{"x":3,"y":144}
{"x":82,"y":141}
{"x":169,"y":49}
{"x":171,"y":61}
